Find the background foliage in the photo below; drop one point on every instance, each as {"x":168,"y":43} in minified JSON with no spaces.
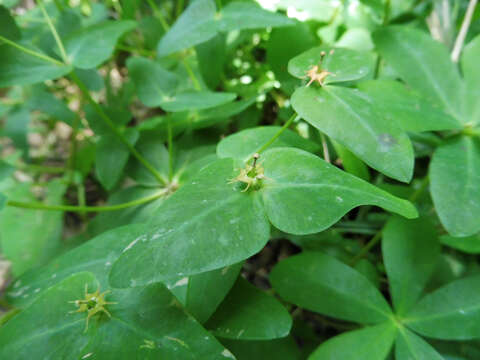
{"x":216,"y":179}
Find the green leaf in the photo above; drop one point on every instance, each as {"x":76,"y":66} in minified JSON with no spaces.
{"x":212,"y":56}
{"x":207,"y":290}
{"x":410,"y":346}
{"x":16,"y":128}
{"x":96,"y":256}
{"x":195,"y":26}
{"x":471,"y":73}
{"x":454,"y":174}
{"x":93,"y":45}
{"x":154,"y":84}
{"x":410,"y":252}
{"x":451,"y":312}
{"x":424,"y":64}
{"x":247,"y":313}
{"x":239,"y":15}
{"x":303,"y":194}
{"x":207,"y":224}
{"x":343,"y":64}
{"x":350,"y":162}
{"x":278,"y":349}
{"x":350,"y":117}
{"x":19,"y":68}
{"x":30,"y":238}
{"x":410,"y":111}
{"x":42,"y":100}
{"x":468,"y":244}
{"x":3,"y":201}
{"x":112,"y":156}
{"x":323,"y":284}
{"x":370,"y":343}
{"x":243,"y":144}
{"x":8,"y":27}
{"x":197,"y":100}
{"x":145,"y":322}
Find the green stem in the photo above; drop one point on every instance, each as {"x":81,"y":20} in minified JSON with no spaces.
{"x":42,"y":168}
{"x":170,"y":151}
{"x":219,"y":4}
{"x":71,"y":208}
{"x":134,"y":50}
{"x":158,"y":14}
{"x":363,"y":251}
{"x":194,"y":79}
{"x":118,"y":133}
{"x":180,"y":4}
{"x":275,"y":137}
{"x":32,"y":52}
{"x":63,"y":53}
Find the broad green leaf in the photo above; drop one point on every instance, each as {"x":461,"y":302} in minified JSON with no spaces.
{"x":402,"y":106}
{"x":211,"y":56}
{"x":42,"y":100}
{"x":3,"y":201}
{"x":19,"y":68}
{"x":8,"y":27}
{"x":30,"y":238}
{"x":343,"y":64}
{"x":93,"y":45}
{"x":283,"y":44}
{"x":195,"y":26}
{"x":132,"y":215}
{"x":196,"y":100}
{"x":207,"y":290}
{"x":112,"y":156}
{"x":424,"y":64}
{"x":468,"y":244}
{"x":278,"y":349}
{"x":451,"y":312}
{"x":154,"y":84}
{"x":370,"y":343}
{"x":410,"y":252}
{"x":410,"y":346}
{"x":239,"y":15}
{"x":145,"y":323}
{"x":471,"y":73}
{"x":303,"y":194}
{"x":454,"y":176}
{"x":16,"y":128}
{"x":207,"y":224}
{"x":323,"y":284}
{"x":350,"y":117}
{"x":6,"y":170}
{"x":247,"y":313}
{"x":242,"y":145}
{"x":96,"y":256}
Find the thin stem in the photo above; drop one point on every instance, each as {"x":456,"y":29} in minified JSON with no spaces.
{"x":158,"y":14}
{"x":118,"y":133}
{"x":219,"y":4}
{"x":275,"y":137}
{"x":326,"y":153}
{"x":194,"y":79}
{"x":73,"y":147}
{"x":457,"y":48}
{"x":71,"y":208}
{"x":180,"y":4}
{"x":54,"y":32}
{"x":363,"y":251}
{"x":170,"y":151}
{"x":42,"y":168}
{"x":32,"y":52}
{"x":134,"y":50}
